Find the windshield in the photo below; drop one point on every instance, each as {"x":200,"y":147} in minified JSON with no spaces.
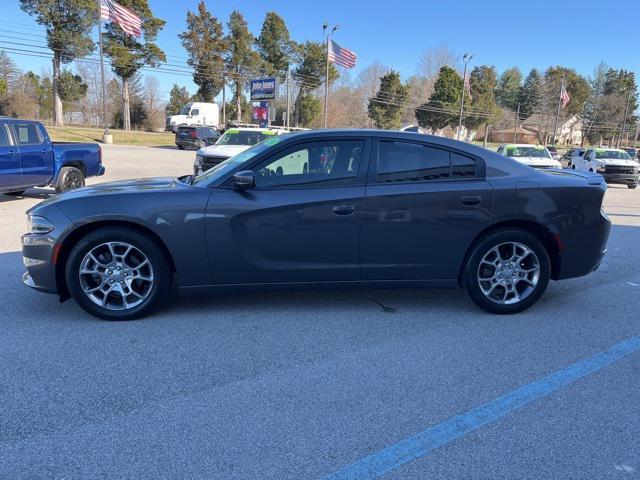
{"x":526,"y":151}
{"x":231,"y":163}
{"x":186,"y":109}
{"x":243,"y":137}
{"x":613,"y":154}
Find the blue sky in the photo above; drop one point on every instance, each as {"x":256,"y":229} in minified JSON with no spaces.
{"x":503,"y":33}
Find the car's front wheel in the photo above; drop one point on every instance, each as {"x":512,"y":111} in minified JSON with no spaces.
{"x":632,"y":186}
{"x":507,"y":271}
{"x":118,"y":274}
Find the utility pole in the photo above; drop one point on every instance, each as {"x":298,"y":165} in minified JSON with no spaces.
{"x":624,"y":123}
{"x":555,"y":127}
{"x":635,"y":139}
{"x":325,"y":26}
{"x":515,"y":129}
{"x":466,"y":59}
{"x":288,"y":97}
{"x":486,"y":134}
{"x":106,"y":136}
{"x":224,"y":101}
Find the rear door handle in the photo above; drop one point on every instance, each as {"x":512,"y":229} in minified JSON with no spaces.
{"x":344,"y":209}
{"x":472,"y":201}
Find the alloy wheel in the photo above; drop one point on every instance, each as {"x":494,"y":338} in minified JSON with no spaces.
{"x":508,"y":273}
{"x":116,"y":276}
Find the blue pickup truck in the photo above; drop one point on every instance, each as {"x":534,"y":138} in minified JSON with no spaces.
{"x":28,"y":158}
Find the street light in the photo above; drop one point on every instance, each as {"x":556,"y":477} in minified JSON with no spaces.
{"x":466,"y":59}
{"x":325,"y":26}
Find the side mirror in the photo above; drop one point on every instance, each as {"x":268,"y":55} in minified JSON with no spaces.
{"x":244,"y":180}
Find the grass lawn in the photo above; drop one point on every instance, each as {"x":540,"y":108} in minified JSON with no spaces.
{"x":120,"y":137}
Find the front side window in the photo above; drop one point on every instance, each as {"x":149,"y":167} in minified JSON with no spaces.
{"x":27,"y":134}
{"x":321,"y":163}
{"x":195,"y":112}
{"x":5,"y":138}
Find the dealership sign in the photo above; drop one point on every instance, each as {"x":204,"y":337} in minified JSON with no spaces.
{"x":263,"y":89}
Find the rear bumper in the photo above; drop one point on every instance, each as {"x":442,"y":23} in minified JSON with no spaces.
{"x":101,"y":171}
{"x":584,"y":251}
{"x":193,"y":143}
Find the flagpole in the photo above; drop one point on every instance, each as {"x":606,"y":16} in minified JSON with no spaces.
{"x":104,"y":90}
{"x":326,"y":77}
{"x":555,"y":127}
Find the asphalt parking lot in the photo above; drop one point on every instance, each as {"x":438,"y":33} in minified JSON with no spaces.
{"x":302,"y":385}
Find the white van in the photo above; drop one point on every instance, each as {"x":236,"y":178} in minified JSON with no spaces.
{"x":195,"y":113}
{"x":615,"y":165}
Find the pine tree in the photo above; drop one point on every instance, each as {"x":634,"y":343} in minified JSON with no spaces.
{"x":178,"y":97}
{"x":241,"y":60}
{"x":508,"y":88}
{"x":275,"y":45}
{"x":438,"y":111}
{"x":530,"y":97}
{"x":482,"y":80}
{"x":129,"y":54}
{"x":312,"y":70}
{"x":68,"y":25}
{"x":387,"y":107}
{"x":206,"y":45}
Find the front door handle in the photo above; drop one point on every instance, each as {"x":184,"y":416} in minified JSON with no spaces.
{"x":344,"y":209}
{"x":472,"y":201}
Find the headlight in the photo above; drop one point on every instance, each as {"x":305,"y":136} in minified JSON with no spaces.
{"x":39,"y":225}
{"x":199,"y":159}
{"x":601,"y":167}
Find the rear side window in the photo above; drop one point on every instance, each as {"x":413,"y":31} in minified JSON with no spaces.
{"x":5,"y":138}
{"x":400,"y":162}
{"x":27,"y":134}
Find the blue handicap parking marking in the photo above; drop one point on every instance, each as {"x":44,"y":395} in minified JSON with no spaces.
{"x":421,"y":444}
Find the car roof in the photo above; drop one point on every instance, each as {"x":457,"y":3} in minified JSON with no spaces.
{"x":523,"y":145}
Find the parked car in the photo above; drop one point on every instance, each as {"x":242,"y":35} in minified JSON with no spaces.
{"x":28,"y":158}
{"x":554,"y":152}
{"x":195,"y":113}
{"x":195,"y":137}
{"x":613,"y":164}
{"x":232,"y":142}
{"x":566,"y":159}
{"x":535,"y":156}
{"x":323,"y":209}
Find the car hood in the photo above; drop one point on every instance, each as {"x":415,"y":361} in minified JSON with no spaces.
{"x":223,"y":150}
{"x":537,"y":162}
{"x":119,"y":187}
{"x":615,"y":162}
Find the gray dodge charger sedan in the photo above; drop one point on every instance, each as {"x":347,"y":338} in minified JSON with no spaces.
{"x":333,"y":208}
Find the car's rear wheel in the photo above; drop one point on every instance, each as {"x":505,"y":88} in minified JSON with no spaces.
{"x":69,"y":178}
{"x":118,"y":274}
{"x":631,"y":185}
{"x":507,"y":271}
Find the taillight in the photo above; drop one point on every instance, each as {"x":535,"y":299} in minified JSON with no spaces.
{"x":194,"y":134}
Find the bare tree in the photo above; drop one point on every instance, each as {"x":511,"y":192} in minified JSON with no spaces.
{"x":433,"y":59}
{"x":368,"y":84}
{"x":153,"y":104}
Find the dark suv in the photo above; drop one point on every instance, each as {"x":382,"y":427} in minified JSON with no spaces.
{"x":194,"y":136}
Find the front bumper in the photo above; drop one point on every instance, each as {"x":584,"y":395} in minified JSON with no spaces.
{"x":621,"y":178}
{"x":201,"y":166}
{"x":37,"y":256}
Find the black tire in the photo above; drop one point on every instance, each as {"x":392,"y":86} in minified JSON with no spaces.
{"x":180,"y":147}
{"x":16,"y":193}
{"x":69,"y":178}
{"x":161,"y":272}
{"x":632,"y":186}
{"x":471,"y":272}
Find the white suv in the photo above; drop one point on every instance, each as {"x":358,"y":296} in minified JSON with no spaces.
{"x":234,"y":141}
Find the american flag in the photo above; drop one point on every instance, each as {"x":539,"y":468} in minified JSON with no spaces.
{"x":341,"y":56}
{"x":129,"y":21}
{"x":564,"y":96}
